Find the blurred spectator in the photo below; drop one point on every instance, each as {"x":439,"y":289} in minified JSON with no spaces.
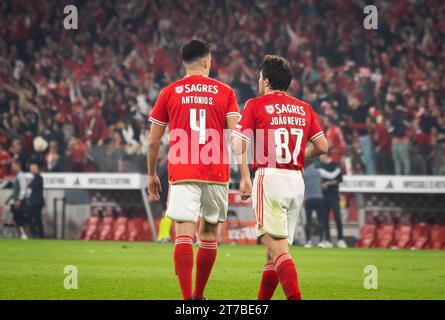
{"x":35,"y":202}
{"x":358,"y":121}
{"x":116,"y":152}
{"x":439,"y":145}
{"x":382,"y":142}
{"x":313,"y":201}
{"x":54,"y":162}
{"x":17,"y":155}
{"x":93,"y":128}
{"x":331,"y":175}
{"x":77,"y":154}
{"x":39,"y":146}
{"x":400,"y":143}
{"x":19,"y":187}
{"x":334,"y":135}
{"x":4,"y":163}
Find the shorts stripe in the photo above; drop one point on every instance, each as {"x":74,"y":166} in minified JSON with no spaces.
{"x":261,"y":198}
{"x":168,"y":199}
{"x":257,"y":205}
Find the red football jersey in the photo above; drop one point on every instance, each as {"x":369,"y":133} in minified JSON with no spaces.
{"x":195,"y":109}
{"x":280,"y":125}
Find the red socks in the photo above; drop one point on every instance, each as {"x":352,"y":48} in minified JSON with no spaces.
{"x":287,"y":273}
{"x":269,"y":282}
{"x":204,"y":263}
{"x":183,"y":256}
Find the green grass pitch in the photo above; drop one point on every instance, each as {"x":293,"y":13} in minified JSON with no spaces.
{"x":116,"y":270}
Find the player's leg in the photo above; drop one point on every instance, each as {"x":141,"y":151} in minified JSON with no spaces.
{"x":205,"y":259}
{"x":183,"y":256}
{"x":274,"y":195}
{"x":214,"y":206}
{"x":269,"y":280}
{"x":183,"y":208}
{"x":284,"y":265}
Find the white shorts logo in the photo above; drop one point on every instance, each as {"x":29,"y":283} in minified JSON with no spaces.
{"x":269,"y":109}
{"x":179,"y":89}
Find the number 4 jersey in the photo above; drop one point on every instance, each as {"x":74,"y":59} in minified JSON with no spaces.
{"x":280,"y":126}
{"x":195,"y":109}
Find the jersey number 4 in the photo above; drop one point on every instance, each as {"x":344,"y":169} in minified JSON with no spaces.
{"x":284,"y":155}
{"x":199,"y":126}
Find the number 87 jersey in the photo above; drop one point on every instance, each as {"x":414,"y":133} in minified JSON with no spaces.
{"x":280,"y":126}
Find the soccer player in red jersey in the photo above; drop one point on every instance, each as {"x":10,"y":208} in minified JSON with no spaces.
{"x":197,"y":110}
{"x":278,"y":128}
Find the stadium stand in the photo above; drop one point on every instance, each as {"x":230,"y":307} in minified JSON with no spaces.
{"x":403,"y":234}
{"x":91,"y":229}
{"x":421,"y":236}
{"x":120,"y":231}
{"x":368,"y":234}
{"x":385,"y":234}
{"x":135,"y":229}
{"x":437,"y":237}
{"x":90,"y":91}
{"x":106,"y":228}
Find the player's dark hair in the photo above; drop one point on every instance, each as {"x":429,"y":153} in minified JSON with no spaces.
{"x":277,"y":70}
{"x":194,"y":50}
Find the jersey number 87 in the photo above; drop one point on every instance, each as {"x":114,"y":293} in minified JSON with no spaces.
{"x":283,"y":153}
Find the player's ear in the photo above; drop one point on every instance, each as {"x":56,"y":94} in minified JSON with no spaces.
{"x":207,"y":62}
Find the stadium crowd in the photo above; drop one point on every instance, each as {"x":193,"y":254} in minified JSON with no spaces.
{"x":78,"y":100}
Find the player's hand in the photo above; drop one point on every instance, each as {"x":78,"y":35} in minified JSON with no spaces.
{"x":154,"y":187}
{"x":245,"y":189}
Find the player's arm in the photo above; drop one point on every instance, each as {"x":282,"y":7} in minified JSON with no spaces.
{"x":317,"y":143}
{"x":159,"y":119}
{"x":231,"y":121}
{"x":239,"y":149}
{"x":240,"y":137}
{"x":316,"y":147}
{"x":154,"y":144}
{"x":232,"y":112}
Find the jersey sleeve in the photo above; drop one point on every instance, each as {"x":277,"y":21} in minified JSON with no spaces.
{"x":232,"y":106}
{"x":246,"y":125}
{"x":315,"y":130}
{"x":159,"y":114}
